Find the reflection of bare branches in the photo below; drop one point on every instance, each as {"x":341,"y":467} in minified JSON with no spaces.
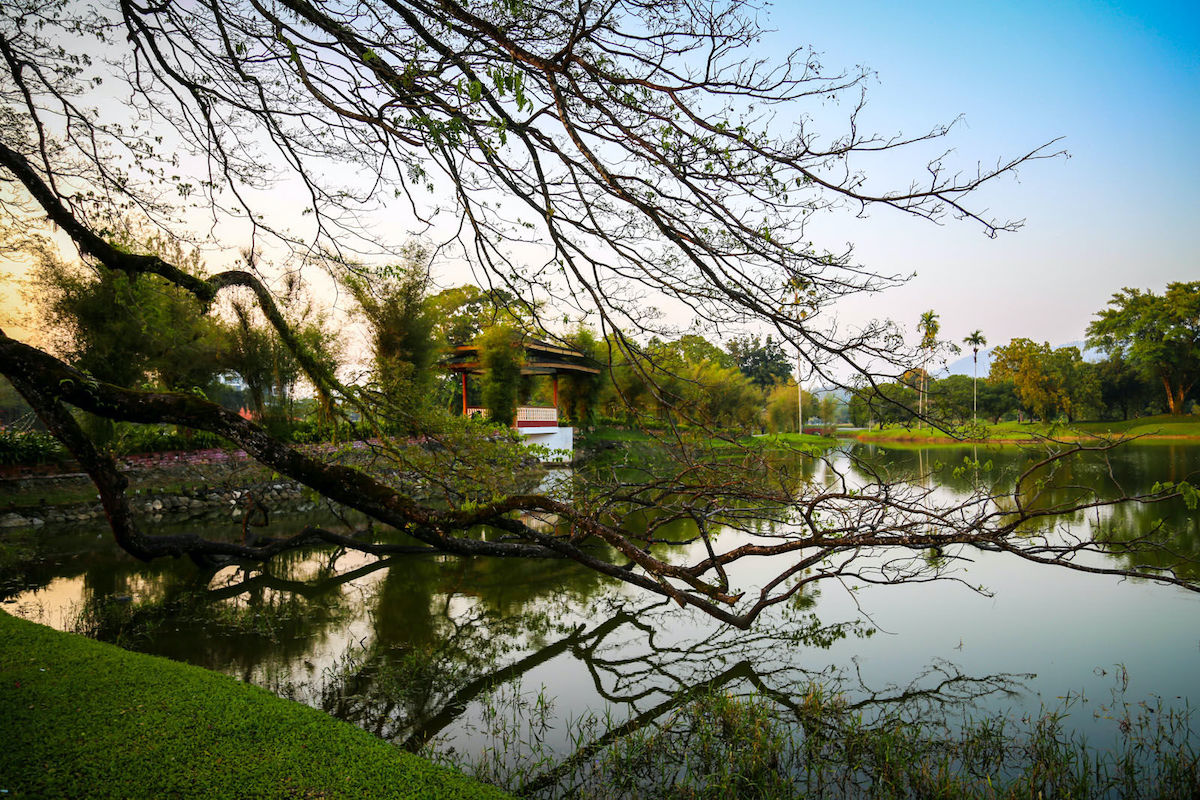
{"x":741,"y":671}
{"x":428,"y":728}
{"x":919,"y":702}
{"x":415,"y":697}
{"x":325,"y":586}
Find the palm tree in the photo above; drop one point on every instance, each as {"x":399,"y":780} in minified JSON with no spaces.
{"x":975,"y":341}
{"x":929,"y":327}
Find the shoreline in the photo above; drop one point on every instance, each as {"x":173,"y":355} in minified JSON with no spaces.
{"x":1074,"y":437}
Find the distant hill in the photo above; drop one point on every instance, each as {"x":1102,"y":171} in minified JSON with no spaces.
{"x":963,"y":366}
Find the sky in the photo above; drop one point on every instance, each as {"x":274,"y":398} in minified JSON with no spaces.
{"x":1118,"y":83}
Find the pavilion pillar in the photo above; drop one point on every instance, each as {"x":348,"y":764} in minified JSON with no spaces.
{"x":555,"y":381}
{"x":464,"y":387}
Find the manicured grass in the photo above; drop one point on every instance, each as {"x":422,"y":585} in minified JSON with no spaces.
{"x":773,"y":439}
{"x":1162,"y":426}
{"x":787,"y":439}
{"x":615,"y":435}
{"x":85,"y":719}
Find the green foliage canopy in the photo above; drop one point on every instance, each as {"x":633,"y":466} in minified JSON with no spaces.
{"x":1158,"y":334}
{"x":128,"y":330}
{"x":763,"y":362}
{"x":404,"y":344}
{"x":1048,"y":381}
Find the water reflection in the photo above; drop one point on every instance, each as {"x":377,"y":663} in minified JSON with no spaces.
{"x":1167,"y":533}
{"x":418,"y":649}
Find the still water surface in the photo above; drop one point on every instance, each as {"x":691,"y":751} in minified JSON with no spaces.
{"x":425,"y":649}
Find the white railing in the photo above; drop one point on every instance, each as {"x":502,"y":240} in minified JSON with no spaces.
{"x":537,"y":416}
{"x":547,"y":414}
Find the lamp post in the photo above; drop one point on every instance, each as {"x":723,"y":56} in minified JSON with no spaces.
{"x":799,"y":397}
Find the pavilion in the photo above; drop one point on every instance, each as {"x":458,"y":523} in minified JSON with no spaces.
{"x":539,"y":423}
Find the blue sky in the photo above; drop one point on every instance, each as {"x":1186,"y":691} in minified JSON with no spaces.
{"x":1119,"y":82}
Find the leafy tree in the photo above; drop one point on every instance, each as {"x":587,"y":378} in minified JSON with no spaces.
{"x":1047,"y":381}
{"x":688,"y":350}
{"x":953,"y":398}
{"x":1024,"y":362}
{"x":403,"y":342}
{"x":1077,"y":382}
{"x":1124,"y":390}
{"x":580,"y":395}
{"x":128,"y":329}
{"x":269,"y":369}
{"x":720,"y":397}
{"x":764,"y":362}
{"x":501,"y":357}
{"x":462,"y":313}
{"x":887,"y":403}
{"x":997,"y":399}
{"x":251,"y":352}
{"x":686,"y":380}
{"x":829,"y":406}
{"x":783,"y":412}
{"x":1158,"y":334}
{"x":627,"y":138}
{"x":693,"y":348}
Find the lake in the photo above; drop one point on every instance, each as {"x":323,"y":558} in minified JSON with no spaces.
{"x":495,"y":659}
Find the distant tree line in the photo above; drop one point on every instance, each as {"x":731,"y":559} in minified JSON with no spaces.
{"x":1151,"y":345}
{"x":142,"y":332}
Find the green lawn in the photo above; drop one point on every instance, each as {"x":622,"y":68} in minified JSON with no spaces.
{"x":773,"y":439}
{"x":85,"y":719}
{"x":614,"y":435}
{"x":784,"y":440}
{"x":1163,"y":426}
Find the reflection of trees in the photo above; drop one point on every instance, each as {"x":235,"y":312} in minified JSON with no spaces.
{"x":411,"y":696}
{"x":1060,"y":499}
{"x":446,"y":633}
{"x":61,"y":553}
{"x":414,"y":695}
{"x":796,"y":719}
{"x":1173,"y":529}
{"x":642,"y":490}
{"x":239,"y":622}
{"x":657,"y":685}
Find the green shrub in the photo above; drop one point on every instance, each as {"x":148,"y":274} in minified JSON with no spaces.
{"x":159,"y":439}
{"x":29,"y":447}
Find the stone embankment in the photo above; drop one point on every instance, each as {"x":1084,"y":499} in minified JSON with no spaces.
{"x":205,"y":501}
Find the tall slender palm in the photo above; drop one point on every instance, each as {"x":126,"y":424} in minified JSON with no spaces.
{"x":975,"y":340}
{"x":929,"y":327}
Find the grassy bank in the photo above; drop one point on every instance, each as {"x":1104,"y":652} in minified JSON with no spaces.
{"x":86,"y":719}
{"x":1160,"y":427}
{"x":600,"y":436}
{"x":785,"y":440}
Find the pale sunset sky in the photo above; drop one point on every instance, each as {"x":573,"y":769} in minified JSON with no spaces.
{"x":1118,"y":82}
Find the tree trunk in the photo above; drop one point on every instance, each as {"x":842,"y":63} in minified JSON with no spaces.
{"x":1174,"y":397}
